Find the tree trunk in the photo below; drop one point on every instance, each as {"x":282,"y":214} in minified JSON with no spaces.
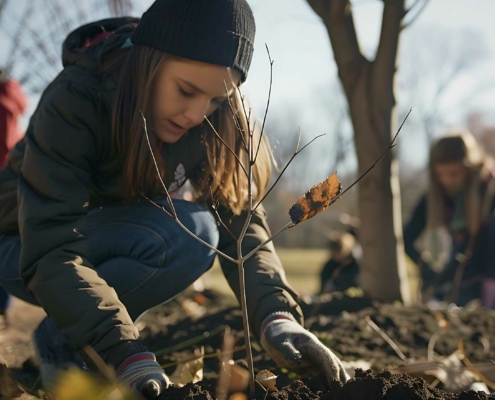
{"x":369,"y":88}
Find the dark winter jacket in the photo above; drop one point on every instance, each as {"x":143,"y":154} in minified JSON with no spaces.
{"x":483,"y":253}
{"x":338,"y":276}
{"x":65,"y":167}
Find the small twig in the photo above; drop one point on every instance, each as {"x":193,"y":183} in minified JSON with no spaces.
{"x":173,"y":213}
{"x":207,"y":356}
{"x":285,"y":168}
{"x":248,"y":120}
{"x":169,"y":199}
{"x":226,"y":145}
{"x":189,"y":342}
{"x":234,"y":116}
{"x":298,"y":139}
{"x":392,"y":145}
{"x":186,"y":229}
{"x":103,"y":368}
{"x":225,"y":365}
{"x":267,"y":103}
{"x":386,"y":338}
{"x":214,"y":207}
{"x":431,"y":346}
{"x":472,"y":368}
{"x":418,"y":13}
{"x":287,"y":226}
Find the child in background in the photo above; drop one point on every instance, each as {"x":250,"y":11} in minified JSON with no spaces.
{"x":341,"y":271}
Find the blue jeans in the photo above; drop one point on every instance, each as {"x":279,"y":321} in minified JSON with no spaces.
{"x":139,"y":250}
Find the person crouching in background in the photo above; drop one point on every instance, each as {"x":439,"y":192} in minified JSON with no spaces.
{"x":341,"y":270}
{"x":460,"y":199}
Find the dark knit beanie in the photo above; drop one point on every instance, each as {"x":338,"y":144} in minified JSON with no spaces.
{"x":212,"y":31}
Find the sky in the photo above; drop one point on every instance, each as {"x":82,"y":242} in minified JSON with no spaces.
{"x":306,"y":91}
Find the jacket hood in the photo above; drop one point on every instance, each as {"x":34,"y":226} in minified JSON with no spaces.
{"x":75,"y":50}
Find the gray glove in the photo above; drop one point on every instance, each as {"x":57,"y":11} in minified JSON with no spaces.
{"x":293,"y":347}
{"x":142,"y":374}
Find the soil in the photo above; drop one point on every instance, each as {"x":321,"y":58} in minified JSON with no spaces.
{"x":347,"y":333}
{"x":365,"y":385}
{"x":197,"y":321}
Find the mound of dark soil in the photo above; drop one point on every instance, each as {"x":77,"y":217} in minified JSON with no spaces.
{"x":347,"y":333}
{"x":365,"y":385}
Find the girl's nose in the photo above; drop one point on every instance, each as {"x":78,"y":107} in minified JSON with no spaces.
{"x":196,"y":112}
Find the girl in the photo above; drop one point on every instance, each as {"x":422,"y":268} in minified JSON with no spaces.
{"x":90,"y":249}
{"x":461,"y":198}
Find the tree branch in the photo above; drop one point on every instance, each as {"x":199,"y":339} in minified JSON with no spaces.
{"x":384,"y":66}
{"x":337,"y":17}
{"x":267,"y":104}
{"x":285,"y":168}
{"x":392,"y":145}
{"x":226,"y":145}
{"x":172,"y":212}
{"x":424,"y":3}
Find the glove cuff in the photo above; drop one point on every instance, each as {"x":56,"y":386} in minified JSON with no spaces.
{"x":274,"y":316}
{"x":144,"y":358}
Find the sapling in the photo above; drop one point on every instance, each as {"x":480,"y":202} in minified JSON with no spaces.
{"x":313,"y":202}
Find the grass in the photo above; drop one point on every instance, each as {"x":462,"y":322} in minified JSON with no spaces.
{"x":302,"y":267}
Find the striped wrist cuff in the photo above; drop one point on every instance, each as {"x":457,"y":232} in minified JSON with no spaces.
{"x":274,"y":316}
{"x":145,"y":356}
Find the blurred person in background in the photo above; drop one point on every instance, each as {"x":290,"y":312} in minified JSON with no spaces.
{"x":13,"y":104}
{"x":461,"y":200}
{"x":341,"y":271}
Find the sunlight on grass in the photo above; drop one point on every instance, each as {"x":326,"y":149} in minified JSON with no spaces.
{"x":302,"y":267}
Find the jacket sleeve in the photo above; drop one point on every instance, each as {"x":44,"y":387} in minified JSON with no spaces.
{"x":53,"y":198}
{"x":267,"y":289}
{"x":414,"y":228}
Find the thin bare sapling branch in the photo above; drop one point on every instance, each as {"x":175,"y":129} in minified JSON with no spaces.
{"x":336,"y":193}
{"x":214,"y":207}
{"x":392,"y":145}
{"x":267,"y":104}
{"x":173,"y":213}
{"x":234,"y":117}
{"x":285,"y":168}
{"x":226,"y":145}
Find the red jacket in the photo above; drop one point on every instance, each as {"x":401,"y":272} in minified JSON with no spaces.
{"x":13,"y":103}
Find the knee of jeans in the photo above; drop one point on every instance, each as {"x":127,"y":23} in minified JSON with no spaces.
{"x":206,"y":229}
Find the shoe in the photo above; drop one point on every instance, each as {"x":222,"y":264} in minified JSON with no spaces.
{"x":54,"y":352}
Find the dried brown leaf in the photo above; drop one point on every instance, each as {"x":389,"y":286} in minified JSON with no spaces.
{"x":189,"y":372}
{"x":267,"y":379}
{"x":316,"y":200}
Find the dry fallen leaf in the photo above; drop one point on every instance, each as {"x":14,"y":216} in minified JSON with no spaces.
{"x":267,"y":379}
{"x":316,"y":200}
{"x":189,"y":372}
{"x":239,"y":379}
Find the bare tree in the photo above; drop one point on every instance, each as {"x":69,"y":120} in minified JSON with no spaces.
{"x":369,"y":89}
{"x":42,"y":46}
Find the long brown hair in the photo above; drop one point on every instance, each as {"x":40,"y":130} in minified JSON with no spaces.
{"x":223,"y":177}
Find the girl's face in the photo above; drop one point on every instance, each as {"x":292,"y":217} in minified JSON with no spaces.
{"x":450,"y":176}
{"x":186,"y":91}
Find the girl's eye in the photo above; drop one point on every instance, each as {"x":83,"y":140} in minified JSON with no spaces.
{"x":184,"y":93}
